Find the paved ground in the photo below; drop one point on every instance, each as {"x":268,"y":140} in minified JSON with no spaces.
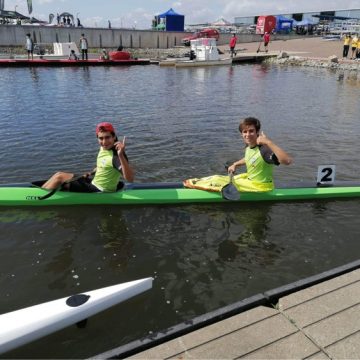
{"x":320,"y":322}
{"x":307,"y":47}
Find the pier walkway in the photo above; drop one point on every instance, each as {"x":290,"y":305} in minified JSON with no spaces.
{"x":313,"y":318}
{"x":320,"y":322}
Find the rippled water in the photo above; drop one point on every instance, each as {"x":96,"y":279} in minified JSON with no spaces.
{"x":179,"y":123}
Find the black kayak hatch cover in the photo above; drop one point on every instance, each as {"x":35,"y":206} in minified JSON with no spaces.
{"x":77,"y":300}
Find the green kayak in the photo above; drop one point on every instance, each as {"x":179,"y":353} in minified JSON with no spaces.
{"x":167,"y":193}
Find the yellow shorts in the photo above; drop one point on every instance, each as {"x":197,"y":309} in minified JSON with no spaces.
{"x":217,"y":182}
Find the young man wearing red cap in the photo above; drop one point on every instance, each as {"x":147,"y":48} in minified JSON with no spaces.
{"x":111,"y":163}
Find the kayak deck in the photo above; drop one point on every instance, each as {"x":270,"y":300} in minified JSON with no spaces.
{"x":167,"y":193}
{"x":28,"y":324}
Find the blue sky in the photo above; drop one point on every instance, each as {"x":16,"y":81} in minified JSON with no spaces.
{"x":139,"y":13}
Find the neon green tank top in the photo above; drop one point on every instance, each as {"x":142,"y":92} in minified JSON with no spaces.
{"x":257,"y":169}
{"x":106,"y":176}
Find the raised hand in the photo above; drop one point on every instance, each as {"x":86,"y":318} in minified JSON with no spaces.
{"x":120,"y":146}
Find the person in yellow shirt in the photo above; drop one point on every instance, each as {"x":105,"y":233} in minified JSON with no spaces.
{"x":347,"y":41}
{"x":111,"y":165}
{"x":358,"y":49}
{"x":354,"y":42}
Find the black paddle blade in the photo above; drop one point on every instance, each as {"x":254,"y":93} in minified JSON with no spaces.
{"x":230,"y":192}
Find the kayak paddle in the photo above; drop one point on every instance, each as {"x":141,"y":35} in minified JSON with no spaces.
{"x":229,"y":191}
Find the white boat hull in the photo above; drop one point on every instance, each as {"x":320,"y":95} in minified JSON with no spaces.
{"x":192,"y":63}
{"x":25,"y":325}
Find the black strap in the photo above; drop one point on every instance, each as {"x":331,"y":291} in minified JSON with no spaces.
{"x":49,"y":194}
{"x":53,"y":191}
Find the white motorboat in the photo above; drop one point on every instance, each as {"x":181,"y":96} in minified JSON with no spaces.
{"x":203,"y":52}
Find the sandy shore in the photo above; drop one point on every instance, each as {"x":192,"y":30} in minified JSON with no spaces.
{"x":314,"y":47}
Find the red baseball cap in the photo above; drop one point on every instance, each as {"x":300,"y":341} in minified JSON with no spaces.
{"x":104,"y":126}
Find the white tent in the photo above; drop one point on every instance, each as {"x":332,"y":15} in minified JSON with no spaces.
{"x":221,"y":22}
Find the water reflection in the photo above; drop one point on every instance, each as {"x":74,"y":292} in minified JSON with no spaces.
{"x":34,"y":74}
{"x":260,"y":71}
{"x":230,"y":73}
{"x":246,"y":237}
{"x":8,"y":216}
{"x":195,"y":250}
{"x":86,"y":73}
{"x":68,"y":246}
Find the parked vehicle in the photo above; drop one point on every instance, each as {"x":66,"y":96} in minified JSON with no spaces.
{"x":205,"y":33}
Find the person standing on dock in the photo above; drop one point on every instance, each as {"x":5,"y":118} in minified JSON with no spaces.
{"x":84,"y":47}
{"x":29,"y":46}
{"x":232,"y":45}
{"x":354,"y":42}
{"x":347,"y":41}
{"x":266,"y":41}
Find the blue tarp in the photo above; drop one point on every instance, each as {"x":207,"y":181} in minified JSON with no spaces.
{"x":283,"y":23}
{"x":173,"y":20}
{"x":170,"y":12}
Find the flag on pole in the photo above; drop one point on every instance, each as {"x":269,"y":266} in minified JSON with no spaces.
{"x":29,"y":2}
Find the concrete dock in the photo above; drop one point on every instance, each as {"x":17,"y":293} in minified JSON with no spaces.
{"x":246,"y":57}
{"x":321,"y":321}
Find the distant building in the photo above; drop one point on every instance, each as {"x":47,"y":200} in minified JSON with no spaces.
{"x":315,"y":17}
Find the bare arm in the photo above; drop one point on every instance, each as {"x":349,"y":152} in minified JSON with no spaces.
{"x":232,"y":167}
{"x":127,"y":171}
{"x":282,"y":156}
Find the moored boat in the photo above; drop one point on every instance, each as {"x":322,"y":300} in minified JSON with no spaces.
{"x":25,"y":325}
{"x":193,"y":63}
{"x":60,"y":57}
{"x":204,"y":52}
{"x":168,"y":193}
{"x":67,"y":62}
{"x":119,"y":55}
